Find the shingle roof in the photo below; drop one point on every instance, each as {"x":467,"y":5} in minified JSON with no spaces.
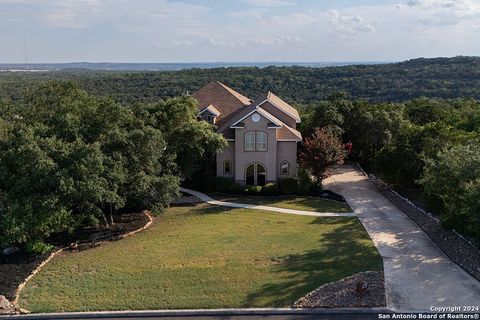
{"x":234,"y":106}
{"x":238,"y":95}
{"x":223,"y":98}
{"x":212,"y":110}
{"x":282,"y":105}
{"x":287,"y":133}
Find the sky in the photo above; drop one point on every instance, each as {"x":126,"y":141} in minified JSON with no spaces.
{"x":50,"y":31}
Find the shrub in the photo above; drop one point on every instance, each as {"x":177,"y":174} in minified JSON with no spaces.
{"x":235,"y":188}
{"x":270,"y":189}
{"x":37,"y":247}
{"x":304,"y":181}
{"x":253,"y":190}
{"x":288,"y":186}
{"x":315,"y":188}
{"x":222,"y":184}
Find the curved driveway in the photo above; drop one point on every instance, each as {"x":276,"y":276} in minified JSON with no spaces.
{"x":418,"y":275}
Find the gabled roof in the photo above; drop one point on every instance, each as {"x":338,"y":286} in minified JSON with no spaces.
{"x":232,"y":108}
{"x":264,"y":113}
{"x":279,"y":103}
{"x":225,"y":99}
{"x":212,"y":110}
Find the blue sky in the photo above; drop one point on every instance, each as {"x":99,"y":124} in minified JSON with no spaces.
{"x":236,"y":30}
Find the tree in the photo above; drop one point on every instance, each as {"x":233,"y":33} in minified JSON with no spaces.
{"x":68,"y":159}
{"x":72,"y":159}
{"x":451,"y":182}
{"x":370,"y":127}
{"x":322,"y":151}
{"x":188,"y":140}
{"x":327,"y":114}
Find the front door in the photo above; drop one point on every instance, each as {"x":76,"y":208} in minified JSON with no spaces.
{"x":255,"y":175}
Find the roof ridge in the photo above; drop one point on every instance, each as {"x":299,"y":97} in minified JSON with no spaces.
{"x":236,"y":94}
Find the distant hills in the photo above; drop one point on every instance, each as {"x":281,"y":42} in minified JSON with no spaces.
{"x":115,"y":66}
{"x":457,"y":77}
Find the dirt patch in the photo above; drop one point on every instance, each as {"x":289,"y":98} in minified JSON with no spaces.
{"x":16,"y":267}
{"x":348,"y":293}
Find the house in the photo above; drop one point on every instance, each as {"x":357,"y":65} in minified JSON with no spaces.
{"x":261,"y":134}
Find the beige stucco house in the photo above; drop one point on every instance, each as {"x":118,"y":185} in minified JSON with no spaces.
{"x":261,"y":134}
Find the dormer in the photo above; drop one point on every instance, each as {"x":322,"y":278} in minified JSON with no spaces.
{"x":209,"y":114}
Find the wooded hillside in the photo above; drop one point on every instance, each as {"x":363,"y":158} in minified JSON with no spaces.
{"x":457,"y":77}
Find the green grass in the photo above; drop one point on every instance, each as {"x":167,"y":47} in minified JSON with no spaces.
{"x":206,"y":257}
{"x":304,"y":203}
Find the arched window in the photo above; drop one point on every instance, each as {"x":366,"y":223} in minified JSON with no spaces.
{"x":256,"y":141}
{"x":227,"y":167}
{"x":261,"y":141}
{"x":250,"y":141}
{"x":255,"y":175}
{"x":284,"y":166}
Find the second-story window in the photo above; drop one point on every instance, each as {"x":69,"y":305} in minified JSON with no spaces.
{"x":250,"y":141}
{"x":256,"y":141}
{"x":261,"y":141}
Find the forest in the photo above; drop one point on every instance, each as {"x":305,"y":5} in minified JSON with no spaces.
{"x":75,"y":149}
{"x":70,"y":159}
{"x":446,"y":78}
{"x":428,"y":149}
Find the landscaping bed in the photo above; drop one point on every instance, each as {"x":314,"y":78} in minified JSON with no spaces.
{"x":17,"y":266}
{"x":346,"y":294}
{"x":458,"y":249}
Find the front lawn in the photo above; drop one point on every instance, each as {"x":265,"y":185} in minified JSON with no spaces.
{"x":206,"y":257}
{"x":304,"y":203}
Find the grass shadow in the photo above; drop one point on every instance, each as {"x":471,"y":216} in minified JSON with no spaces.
{"x":341,"y":253}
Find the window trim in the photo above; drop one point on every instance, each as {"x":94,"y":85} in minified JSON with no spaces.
{"x":255,"y":141}
{"x":252,"y":143}
{"x":229,"y":165}
{"x":281,"y":167}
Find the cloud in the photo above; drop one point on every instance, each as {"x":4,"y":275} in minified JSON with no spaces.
{"x":165,"y":30}
{"x":441,"y":12}
{"x":348,"y":24}
{"x":267,"y":3}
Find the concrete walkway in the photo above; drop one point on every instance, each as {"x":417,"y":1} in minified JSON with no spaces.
{"x":209,"y":200}
{"x":418,"y":275}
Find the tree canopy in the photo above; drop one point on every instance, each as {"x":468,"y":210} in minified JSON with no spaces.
{"x":446,"y":78}
{"x":71,"y":158}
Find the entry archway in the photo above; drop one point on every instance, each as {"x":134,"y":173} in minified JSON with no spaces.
{"x":255,"y":174}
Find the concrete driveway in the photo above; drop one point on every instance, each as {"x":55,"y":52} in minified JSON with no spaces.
{"x":418,"y":275}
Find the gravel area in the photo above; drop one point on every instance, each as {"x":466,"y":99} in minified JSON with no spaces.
{"x":16,"y":267}
{"x":458,"y":249}
{"x":344,"y":294}
{"x":6,"y":307}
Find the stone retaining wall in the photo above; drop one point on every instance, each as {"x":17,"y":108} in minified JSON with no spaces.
{"x":456,"y":247}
